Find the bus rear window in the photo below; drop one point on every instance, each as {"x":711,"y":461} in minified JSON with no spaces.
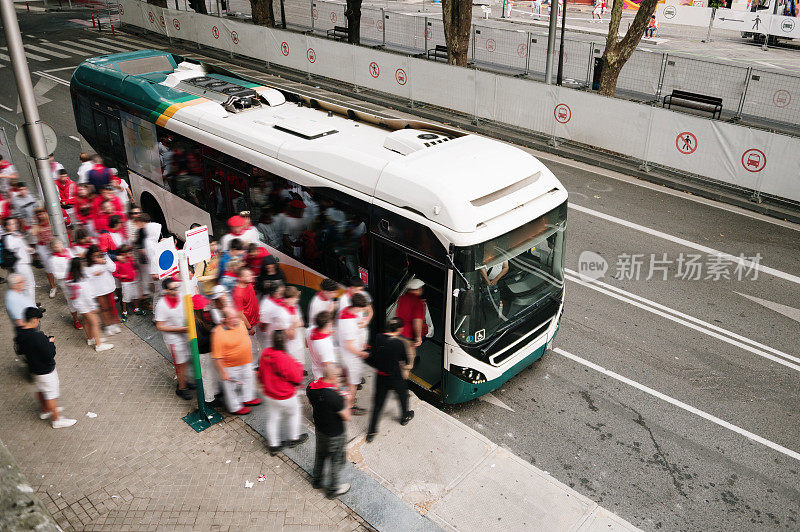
{"x":145,"y":65}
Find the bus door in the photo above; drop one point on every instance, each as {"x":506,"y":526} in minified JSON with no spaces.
{"x":394,"y":267}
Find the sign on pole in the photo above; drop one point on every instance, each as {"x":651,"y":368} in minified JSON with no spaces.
{"x":197,"y":246}
{"x":165,"y":256}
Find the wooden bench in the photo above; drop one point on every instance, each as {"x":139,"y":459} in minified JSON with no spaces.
{"x":693,"y":100}
{"x":440,"y":52}
{"x":339,"y":33}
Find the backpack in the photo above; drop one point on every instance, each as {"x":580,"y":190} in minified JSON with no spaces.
{"x":7,"y":257}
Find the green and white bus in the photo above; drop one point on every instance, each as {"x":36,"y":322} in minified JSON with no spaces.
{"x":338,"y":192}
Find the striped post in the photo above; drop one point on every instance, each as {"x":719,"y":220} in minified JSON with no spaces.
{"x":204,"y":417}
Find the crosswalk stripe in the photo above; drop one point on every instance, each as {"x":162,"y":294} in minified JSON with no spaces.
{"x":118,"y":42}
{"x":4,"y":57}
{"x":31,"y":56}
{"x":92,"y":49}
{"x":47,"y":52}
{"x":113,"y":47}
{"x":62,"y":48}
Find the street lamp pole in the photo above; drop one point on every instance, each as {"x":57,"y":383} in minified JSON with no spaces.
{"x":551,"y":43}
{"x":33,"y":123}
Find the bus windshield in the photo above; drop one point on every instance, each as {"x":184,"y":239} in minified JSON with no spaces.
{"x":511,"y":275}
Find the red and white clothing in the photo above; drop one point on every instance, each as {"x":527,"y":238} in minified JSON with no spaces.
{"x":273,"y":317}
{"x":347,"y":330}
{"x":81,"y":295}
{"x":102,"y":277}
{"x":246,"y":237}
{"x":16,"y":243}
{"x":43,"y":238}
{"x":320,"y":347}
{"x":295,"y":346}
{"x":170,"y":310}
{"x":122,"y":192}
{"x":319,"y":303}
{"x":110,"y":240}
{"x":127,"y":275}
{"x":67,"y":191}
{"x":83,"y":171}
{"x":7,"y":173}
{"x":59,"y":266}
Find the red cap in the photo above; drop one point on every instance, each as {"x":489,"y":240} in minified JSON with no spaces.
{"x":199,"y":302}
{"x":235,"y":221}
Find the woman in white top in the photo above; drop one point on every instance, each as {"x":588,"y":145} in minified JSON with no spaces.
{"x":272,"y":316}
{"x":100,"y":270}
{"x":80,"y":291}
{"x":60,"y":258}
{"x":295,"y":333}
{"x":16,"y":243}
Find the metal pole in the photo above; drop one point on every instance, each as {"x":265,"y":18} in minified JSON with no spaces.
{"x":711,"y":23}
{"x":744,"y":92}
{"x":503,"y":13}
{"x":425,"y":36}
{"x":312,"y":15}
{"x":383,"y":26}
{"x":33,"y":123}
{"x":560,"y":74}
{"x":766,"y":26}
{"x":474,"y":44}
{"x":219,"y":8}
{"x":590,"y":66}
{"x":662,"y":74}
{"x":283,"y":15}
{"x":551,"y":44}
{"x":528,"y":54}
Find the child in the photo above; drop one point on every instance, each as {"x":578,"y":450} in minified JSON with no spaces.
{"x":83,"y":302}
{"x":60,"y":258}
{"x":128,"y":277}
{"x":100,"y":270}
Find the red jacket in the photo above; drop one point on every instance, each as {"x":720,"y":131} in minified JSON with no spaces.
{"x":125,"y":272}
{"x":67,"y":190}
{"x":279,"y":374}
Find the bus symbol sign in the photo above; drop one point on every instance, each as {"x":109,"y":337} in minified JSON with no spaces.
{"x":177,"y":24}
{"x":121,"y":9}
{"x":522,"y":49}
{"x":379,"y":25}
{"x":781,"y":98}
{"x":311,"y":55}
{"x":315,"y":13}
{"x":235,"y":37}
{"x":491,"y":45}
{"x":152,"y":17}
{"x":333,"y":17}
{"x":754,"y":160}
{"x":400,"y":76}
{"x":787,"y":26}
{"x":374,"y":69}
{"x":563,"y":113}
{"x":284,"y":48}
{"x":670,"y":12}
{"x":215,"y":32}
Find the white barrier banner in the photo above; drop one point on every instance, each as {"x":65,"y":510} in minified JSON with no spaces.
{"x":210,"y":32}
{"x":405,"y":31}
{"x":683,"y":15}
{"x":328,"y":15}
{"x":130,"y":12}
{"x":180,"y":24}
{"x":787,"y":27}
{"x":328,"y":58}
{"x":383,"y":72}
{"x":495,"y":45}
{"x":444,"y":85}
{"x":781,"y":171}
{"x":246,"y":39}
{"x":749,"y":21}
{"x":585,"y":117}
{"x":154,"y":19}
{"x":290,"y":49}
{"x":535,"y":112}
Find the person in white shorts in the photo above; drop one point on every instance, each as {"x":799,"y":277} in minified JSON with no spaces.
{"x":60,"y":258}
{"x":272,"y":316}
{"x":84,"y":303}
{"x":320,"y":344}
{"x":295,"y":342}
{"x":351,"y":345}
{"x":170,"y":318}
{"x":40,"y":351}
{"x":356,"y":286}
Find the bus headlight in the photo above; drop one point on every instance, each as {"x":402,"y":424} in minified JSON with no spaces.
{"x":469,"y":375}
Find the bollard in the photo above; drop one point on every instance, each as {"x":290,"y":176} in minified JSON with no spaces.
{"x":28,"y":6}
{"x":93,"y":24}
{"x":112,"y":28}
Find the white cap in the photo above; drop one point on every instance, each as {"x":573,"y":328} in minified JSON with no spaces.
{"x":414,"y":284}
{"x":218,"y":292}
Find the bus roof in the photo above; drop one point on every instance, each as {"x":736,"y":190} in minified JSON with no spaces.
{"x":461,"y":181}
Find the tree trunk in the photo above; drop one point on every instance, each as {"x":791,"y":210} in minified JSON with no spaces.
{"x":263,"y":13}
{"x":199,"y":6}
{"x":353,"y":14}
{"x":457,"y":17}
{"x":158,"y":3}
{"x":618,"y":51}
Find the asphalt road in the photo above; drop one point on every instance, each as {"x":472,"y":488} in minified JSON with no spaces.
{"x":672,"y":402}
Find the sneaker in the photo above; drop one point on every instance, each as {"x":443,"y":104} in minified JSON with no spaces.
{"x":90,"y":341}
{"x":183,"y":393}
{"x":52,"y":293}
{"x":138,"y":312}
{"x":341,"y":490}
{"x":63,"y":422}
{"x":46,"y":415}
{"x":300,"y":439}
{"x":242,"y":411}
{"x":103,"y":347}
{"x":408,"y":418}
{"x":116,"y":328}
{"x":358,"y":411}
{"x":110,"y":330}
{"x":78,"y":325}
{"x":123,"y":317}
{"x":273,"y":450}
{"x":254,"y":402}
{"x":316,"y":484}
{"x":371,"y":436}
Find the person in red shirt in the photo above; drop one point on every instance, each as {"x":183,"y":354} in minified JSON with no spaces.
{"x":128,"y":278}
{"x":280,"y":376}
{"x":254,"y":256}
{"x":67,"y":190}
{"x":411,"y":309}
{"x":83,"y":204}
{"x":245,"y":300}
{"x":107,"y":194}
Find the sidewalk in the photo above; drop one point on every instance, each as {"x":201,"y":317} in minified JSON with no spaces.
{"x":137,"y":465}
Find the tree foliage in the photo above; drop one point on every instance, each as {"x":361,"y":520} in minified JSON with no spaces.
{"x":457,"y":17}
{"x":618,"y":51}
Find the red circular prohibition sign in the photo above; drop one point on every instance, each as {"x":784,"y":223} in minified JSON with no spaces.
{"x":686,"y":142}
{"x":754,"y":160}
{"x":563,"y":113}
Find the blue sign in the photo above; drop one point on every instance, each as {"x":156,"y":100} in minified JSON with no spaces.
{"x":166,"y":260}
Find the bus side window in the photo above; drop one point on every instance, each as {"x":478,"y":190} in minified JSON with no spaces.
{"x":85,"y":119}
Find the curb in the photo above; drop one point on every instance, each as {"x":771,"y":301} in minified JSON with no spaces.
{"x":20,"y":507}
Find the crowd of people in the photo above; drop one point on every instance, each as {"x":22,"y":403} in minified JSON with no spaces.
{"x":252,"y":333}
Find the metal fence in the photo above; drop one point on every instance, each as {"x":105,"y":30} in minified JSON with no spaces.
{"x":764,"y":98}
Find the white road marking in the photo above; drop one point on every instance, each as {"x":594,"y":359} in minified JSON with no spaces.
{"x":683,"y":320}
{"x":62,"y":48}
{"x":4,"y":57}
{"x":680,"y":404}
{"x":30,"y":56}
{"x":114,"y":45}
{"x":688,"y":243}
{"x":60,"y":69}
{"x":73,"y":137}
{"x":91,"y":49}
{"x":491,"y":399}
{"x":47,"y":52}
{"x":52,"y":77}
{"x":790,"y":312}
{"x":6,"y":108}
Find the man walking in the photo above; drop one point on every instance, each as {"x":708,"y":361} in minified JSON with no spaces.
{"x":331,"y":410}
{"x":232,"y":353}
{"x":170,"y":319}
{"x":351,"y":345}
{"x":390,"y":359}
{"x":40,"y":352}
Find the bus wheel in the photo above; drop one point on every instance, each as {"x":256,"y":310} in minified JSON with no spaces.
{"x":150,"y":206}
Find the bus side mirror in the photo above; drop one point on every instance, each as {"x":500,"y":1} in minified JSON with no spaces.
{"x":465,"y":302}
